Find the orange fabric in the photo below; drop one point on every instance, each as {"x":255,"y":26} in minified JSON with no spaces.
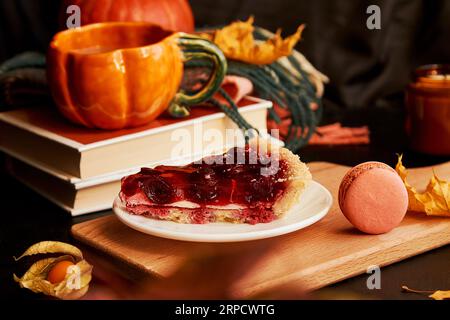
{"x":236,"y":87}
{"x":334,"y":134}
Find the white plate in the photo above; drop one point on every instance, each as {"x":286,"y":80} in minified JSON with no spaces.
{"x":314,"y":205}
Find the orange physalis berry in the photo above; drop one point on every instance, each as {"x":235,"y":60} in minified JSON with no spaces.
{"x":59,"y":271}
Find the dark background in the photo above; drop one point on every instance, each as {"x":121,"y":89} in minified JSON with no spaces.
{"x":369,"y":69}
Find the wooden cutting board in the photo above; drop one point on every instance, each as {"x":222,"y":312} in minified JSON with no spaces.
{"x":324,"y":253}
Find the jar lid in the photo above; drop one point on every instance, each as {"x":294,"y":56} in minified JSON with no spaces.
{"x":432,"y":76}
{"x":433,"y":72}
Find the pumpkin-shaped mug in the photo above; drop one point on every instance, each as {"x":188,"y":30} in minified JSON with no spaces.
{"x":118,"y":75}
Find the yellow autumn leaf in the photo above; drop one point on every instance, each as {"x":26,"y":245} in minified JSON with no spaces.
{"x":440,"y":295}
{"x":434,"y":201}
{"x":237,"y":42}
{"x":52,"y":247}
{"x":77,"y":277}
{"x":436,"y":295}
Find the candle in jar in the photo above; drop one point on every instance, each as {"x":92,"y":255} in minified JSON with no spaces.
{"x":428,"y":104}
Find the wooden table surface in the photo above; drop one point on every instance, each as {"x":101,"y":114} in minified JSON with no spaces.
{"x":327,"y":252}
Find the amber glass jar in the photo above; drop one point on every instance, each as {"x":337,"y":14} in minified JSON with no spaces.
{"x":428,"y":107}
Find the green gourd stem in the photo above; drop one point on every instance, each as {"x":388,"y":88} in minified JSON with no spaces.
{"x":198,"y":48}
{"x":231,"y":111}
{"x":206,"y":50}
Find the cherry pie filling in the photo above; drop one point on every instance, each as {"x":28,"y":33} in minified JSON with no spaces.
{"x":215,"y":183}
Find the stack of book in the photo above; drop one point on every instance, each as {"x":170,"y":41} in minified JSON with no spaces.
{"x":80,"y":169}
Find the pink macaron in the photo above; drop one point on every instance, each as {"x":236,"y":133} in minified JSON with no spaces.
{"x":373,"y":197}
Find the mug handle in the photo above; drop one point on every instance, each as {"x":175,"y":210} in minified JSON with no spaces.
{"x":195,"y":48}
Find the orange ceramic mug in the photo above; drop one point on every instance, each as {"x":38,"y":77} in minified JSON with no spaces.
{"x":124,"y":74}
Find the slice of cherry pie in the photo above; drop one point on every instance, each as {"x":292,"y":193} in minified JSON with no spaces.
{"x":244,"y":185}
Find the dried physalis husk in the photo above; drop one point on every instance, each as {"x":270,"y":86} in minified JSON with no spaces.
{"x":76,"y":281}
{"x":434,"y":201}
{"x":436,"y":295}
{"x":237,"y":42}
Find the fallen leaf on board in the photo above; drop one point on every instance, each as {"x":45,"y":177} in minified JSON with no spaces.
{"x":436,"y":295}
{"x":77,"y":277}
{"x":237,"y":42}
{"x":440,"y":295}
{"x":434,"y":201}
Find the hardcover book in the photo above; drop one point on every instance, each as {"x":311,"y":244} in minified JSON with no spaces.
{"x":43,"y":139}
{"x":80,"y":169}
